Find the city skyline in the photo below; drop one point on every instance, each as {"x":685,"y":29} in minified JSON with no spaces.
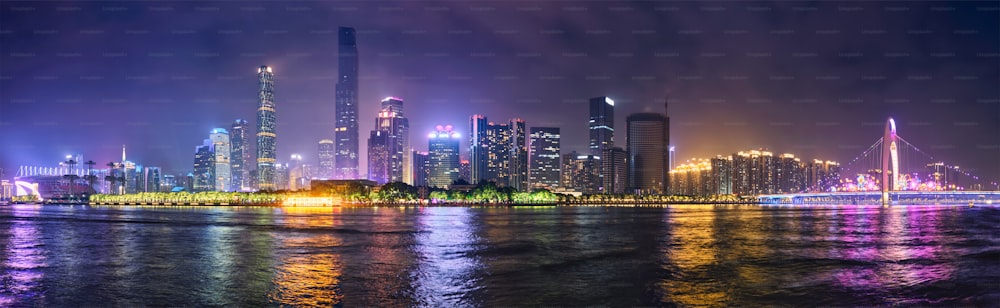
{"x":727,"y":103}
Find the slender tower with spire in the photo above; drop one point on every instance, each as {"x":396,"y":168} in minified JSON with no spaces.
{"x":266,"y":134}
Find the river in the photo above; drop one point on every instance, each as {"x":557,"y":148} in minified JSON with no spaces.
{"x":81,"y":256}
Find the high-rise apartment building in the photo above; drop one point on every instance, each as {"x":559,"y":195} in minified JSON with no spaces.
{"x":581,"y":173}
{"x":543,"y":162}
{"x":498,"y":152}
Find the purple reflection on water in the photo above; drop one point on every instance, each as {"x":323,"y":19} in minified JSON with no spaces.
{"x":445,"y":276}
{"x":23,"y":259}
{"x":901,"y":255}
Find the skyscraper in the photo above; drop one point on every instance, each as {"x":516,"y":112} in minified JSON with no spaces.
{"x":648,"y":153}
{"x":325,"y":152}
{"x":239,"y":155}
{"x":204,"y":167}
{"x":443,"y":145}
{"x":518,"y":155}
{"x":478,"y":149}
{"x":266,"y":133}
{"x":579,"y":172}
{"x":421,"y":168}
{"x":543,"y":162}
{"x":614,"y":171}
{"x":223,"y":173}
{"x":498,"y":151}
{"x":379,"y":144}
{"x":346,"y":132}
{"x":297,"y":177}
{"x":601,"y":124}
{"x":396,"y":127}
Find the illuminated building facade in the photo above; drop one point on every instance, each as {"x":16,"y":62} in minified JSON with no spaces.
{"x":478,"y":149}
{"x":346,"y":131}
{"x":379,"y":145}
{"x":266,"y":129}
{"x":544,"y":159}
{"x":282,"y":178}
{"x":721,"y":175}
{"x":325,"y":152}
{"x":581,"y":173}
{"x":220,"y":146}
{"x":394,"y":127}
{"x":648,"y":153}
{"x":239,"y":156}
{"x":498,"y":140}
{"x":204,"y":168}
{"x":298,"y":173}
{"x":465,"y":170}
{"x":601,"y":124}
{"x":421,"y":168}
{"x":498,"y":152}
{"x":443,"y":145}
{"x":151,"y":179}
{"x":753,"y":172}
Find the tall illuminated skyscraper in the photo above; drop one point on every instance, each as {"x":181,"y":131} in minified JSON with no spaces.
{"x":326,"y":152}
{"x":443,"y":145}
{"x":601,"y":125}
{"x":478,"y":149}
{"x":239,"y":155}
{"x":266,"y":132}
{"x":395,"y":127}
{"x":543,"y":160}
{"x":346,"y":132}
{"x":223,"y":172}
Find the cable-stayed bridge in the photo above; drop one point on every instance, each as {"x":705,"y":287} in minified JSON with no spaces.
{"x":894,"y":171}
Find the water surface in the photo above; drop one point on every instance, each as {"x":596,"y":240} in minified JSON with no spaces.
{"x":525,"y":256}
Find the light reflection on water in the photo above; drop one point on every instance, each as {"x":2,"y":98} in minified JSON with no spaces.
{"x":536,"y":256}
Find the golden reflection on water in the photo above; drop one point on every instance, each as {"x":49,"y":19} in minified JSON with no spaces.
{"x":691,"y":250}
{"x":708,"y":252}
{"x":308,"y":272}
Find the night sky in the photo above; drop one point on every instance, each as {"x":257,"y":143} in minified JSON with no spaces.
{"x":814,"y":79}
